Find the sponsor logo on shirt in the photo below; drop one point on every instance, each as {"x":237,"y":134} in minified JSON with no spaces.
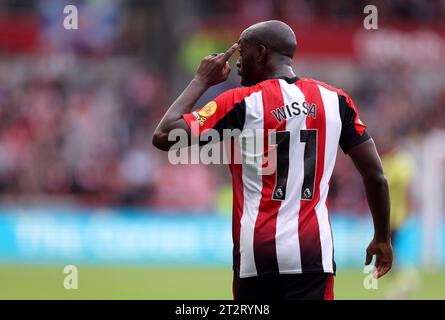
{"x":201,"y":120}
{"x":208,"y":110}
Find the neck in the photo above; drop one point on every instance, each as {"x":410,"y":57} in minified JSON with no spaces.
{"x":280,"y":71}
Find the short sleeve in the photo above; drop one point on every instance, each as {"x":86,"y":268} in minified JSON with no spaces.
{"x":353,"y":130}
{"x":226,"y":111}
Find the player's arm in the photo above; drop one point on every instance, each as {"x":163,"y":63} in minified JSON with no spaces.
{"x":355,"y":141}
{"x":367,"y":161}
{"x":213,"y":69}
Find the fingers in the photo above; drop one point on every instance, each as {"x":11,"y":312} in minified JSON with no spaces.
{"x":227,"y":67}
{"x":382,"y":269}
{"x":226,"y":70}
{"x":383,"y":258}
{"x":226,"y":56}
{"x":369,"y":255}
{"x":208,"y":58}
{"x":383,"y":266}
{"x":222,"y":58}
{"x":377,"y":265}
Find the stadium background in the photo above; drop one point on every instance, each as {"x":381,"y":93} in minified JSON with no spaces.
{"x":80,"y":183}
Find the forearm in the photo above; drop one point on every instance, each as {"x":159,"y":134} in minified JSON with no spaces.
{"x":377,"y":194}
{"x":368,"y":163}
{"x":213,"y":69}
{"x":173,"y":117}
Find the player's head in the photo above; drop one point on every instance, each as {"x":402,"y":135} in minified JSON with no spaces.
{"x":263,"y":47}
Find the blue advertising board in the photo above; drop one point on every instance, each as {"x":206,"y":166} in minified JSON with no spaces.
{"x":141,"y":236}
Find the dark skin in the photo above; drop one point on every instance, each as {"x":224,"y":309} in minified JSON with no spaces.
{"x":367,"y":161}
{"x":260,"y":58}
{"x":266,"y":51}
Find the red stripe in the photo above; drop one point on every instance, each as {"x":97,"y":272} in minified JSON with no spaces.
{"x":359,"y":126}
{"x":308,"y":229}
{"x":225,"y":102}
{"x":329,"y":289}
{"x":238,"y":203}
{"x":265,"y":225}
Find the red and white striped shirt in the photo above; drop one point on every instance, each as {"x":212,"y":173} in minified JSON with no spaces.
{"x":280,"y":219}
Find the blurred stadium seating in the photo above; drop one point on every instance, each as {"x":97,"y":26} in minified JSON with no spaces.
{"x":81,"y":184}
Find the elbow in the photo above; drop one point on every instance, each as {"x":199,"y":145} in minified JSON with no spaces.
{"x":381,"y":181}
{"x":158,"y":141}
{"x":378,"y":180}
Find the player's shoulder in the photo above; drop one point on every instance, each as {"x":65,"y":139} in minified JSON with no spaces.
{"x":344,"y":99}
{"x":325,"y":85}
{"x":239,"y":93}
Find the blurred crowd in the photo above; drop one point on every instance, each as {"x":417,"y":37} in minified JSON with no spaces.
{"x":335,"y":11}
{"x":77,"y":114}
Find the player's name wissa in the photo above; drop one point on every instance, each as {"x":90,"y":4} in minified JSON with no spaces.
{"x":249,"y":149}
{"x":294,"y":109}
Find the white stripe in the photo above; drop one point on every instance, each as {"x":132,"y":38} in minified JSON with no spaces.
{"x":252,"y":181}
{"x":287,"y":239}
{"x":333,"y":130}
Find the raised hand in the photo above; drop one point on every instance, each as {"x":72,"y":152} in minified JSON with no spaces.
{"x":215,"y":68}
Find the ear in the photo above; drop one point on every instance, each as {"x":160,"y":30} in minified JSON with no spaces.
{"x":262,"y":52}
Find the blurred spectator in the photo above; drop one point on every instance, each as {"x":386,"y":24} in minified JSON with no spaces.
{"x":78,"y":111}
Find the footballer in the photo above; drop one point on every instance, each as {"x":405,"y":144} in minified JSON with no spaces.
{"x":282,"y":239}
